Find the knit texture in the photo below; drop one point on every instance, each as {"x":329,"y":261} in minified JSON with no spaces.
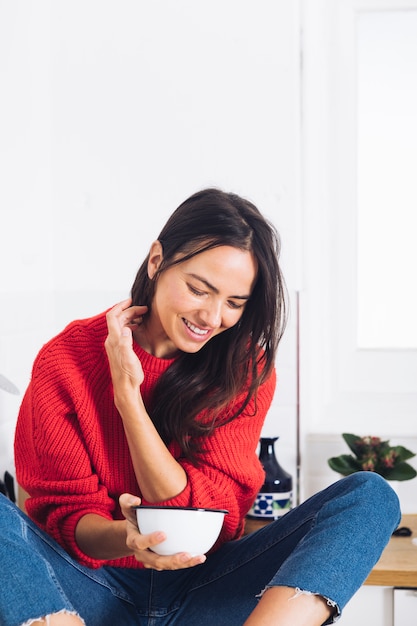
{"x":72,"y":455}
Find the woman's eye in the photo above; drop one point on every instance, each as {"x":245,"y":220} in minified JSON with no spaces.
{"x":235,"y":305}
{"x":195,"y":291}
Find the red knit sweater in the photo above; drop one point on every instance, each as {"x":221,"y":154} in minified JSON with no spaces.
{"x":72,"y":455}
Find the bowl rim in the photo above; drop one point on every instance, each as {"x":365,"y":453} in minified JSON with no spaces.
{"x":178,"y":508}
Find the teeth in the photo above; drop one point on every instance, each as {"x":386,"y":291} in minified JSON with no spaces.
{"x":195,"y":329}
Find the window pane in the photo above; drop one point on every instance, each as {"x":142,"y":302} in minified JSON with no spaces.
{"x":387,"y":179}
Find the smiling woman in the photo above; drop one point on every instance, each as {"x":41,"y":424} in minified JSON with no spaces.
{"x":161,"y":401}
{"x":213,"y":268}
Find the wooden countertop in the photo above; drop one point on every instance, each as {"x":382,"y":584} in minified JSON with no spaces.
{"x":397,"y":566}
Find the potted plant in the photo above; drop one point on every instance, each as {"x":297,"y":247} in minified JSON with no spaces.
{"x":372,"y":454}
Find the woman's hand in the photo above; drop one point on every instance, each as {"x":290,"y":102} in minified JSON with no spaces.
{"x":125,"y":367}
{"x":140,"y":544}
{"x":159,"y":476}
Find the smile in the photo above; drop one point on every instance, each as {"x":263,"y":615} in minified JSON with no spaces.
{"x":195,"y":329}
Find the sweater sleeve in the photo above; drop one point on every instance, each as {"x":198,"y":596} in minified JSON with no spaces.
{"x":53,"y":462}
{"x":230,"y":473}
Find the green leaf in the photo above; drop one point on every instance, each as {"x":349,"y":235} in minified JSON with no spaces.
{"x":344,"y":464}
{"x":403,"y":453}
{"x":402,"y":471}
{"x":351,"y":441}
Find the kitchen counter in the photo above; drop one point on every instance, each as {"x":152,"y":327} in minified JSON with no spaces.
{"x":397,"y":566}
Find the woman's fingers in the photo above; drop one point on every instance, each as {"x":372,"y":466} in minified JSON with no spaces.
{"x":123,"y":315}
{"x":127,"y":501}
{"x":125,"y":367}
{"x":142,"y":549}
{"x":141,"y":544}
{"x":182,"y":560}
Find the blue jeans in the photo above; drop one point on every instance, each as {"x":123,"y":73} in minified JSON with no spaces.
{"x":326,"y":546}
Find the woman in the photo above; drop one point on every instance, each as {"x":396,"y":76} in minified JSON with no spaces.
{"x":162,"y":401}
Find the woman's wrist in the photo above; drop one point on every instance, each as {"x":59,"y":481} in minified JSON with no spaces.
{"x":129,"y":403}
{"x":101,"y":538}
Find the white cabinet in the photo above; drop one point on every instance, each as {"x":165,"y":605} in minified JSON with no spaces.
{"x":405,"y":607}
{"x":371,"y":605}
{"x":381,"y":606}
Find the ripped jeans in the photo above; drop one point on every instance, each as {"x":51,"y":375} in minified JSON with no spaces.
{"x":325,"y":546}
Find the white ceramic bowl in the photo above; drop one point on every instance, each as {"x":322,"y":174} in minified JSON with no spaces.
{"x":187,"y":529}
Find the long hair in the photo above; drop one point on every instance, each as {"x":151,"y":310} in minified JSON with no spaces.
{"x":190,"y":394}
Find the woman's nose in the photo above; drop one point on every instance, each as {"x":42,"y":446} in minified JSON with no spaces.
{"x":212,"y":314}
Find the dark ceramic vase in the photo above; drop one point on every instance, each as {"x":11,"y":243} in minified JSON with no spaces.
{"x":275,"y":496}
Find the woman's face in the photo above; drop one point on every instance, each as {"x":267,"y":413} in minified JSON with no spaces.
{"x":197,"y":299}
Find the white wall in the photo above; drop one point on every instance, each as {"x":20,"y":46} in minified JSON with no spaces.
{"x":345,"y":388}
{"x":111,"y":114}
{"x":353,"y":387}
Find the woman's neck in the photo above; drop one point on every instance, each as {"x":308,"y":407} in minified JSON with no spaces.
{"x":157,"y":344}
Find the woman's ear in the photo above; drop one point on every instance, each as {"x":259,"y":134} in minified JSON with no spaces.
{"x":156,"y":255}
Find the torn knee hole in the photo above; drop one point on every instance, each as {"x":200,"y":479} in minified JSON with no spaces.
{"x":46,"y":619}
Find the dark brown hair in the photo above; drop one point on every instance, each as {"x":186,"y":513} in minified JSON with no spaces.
{"x":237,"y":360}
